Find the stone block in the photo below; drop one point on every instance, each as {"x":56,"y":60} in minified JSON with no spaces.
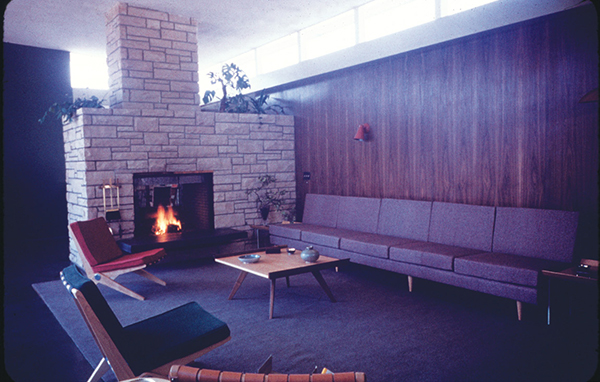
{"x":103,"y":153}
{"x":159,"y":43}
{"x":138,"y":165}
{"x":156,"y":138}
{"x":278,"y":145}
{"x":177,"y":19}
{"x":174,"y":35}
{"x":186,"y":46}
{"x":197,"y":151}
{"x":112,"y":120}
{"x":180,"y":167}
{"x":131,"y":155}
{"x":232,"y":129}
{"x":250,"y":147}
{"x":90,"y":131}
{"x":153,"y":24}
{"x":214,"y":164}
{"x":278,"y":166}
{"x":146,"y":124}
{"x":154,"y":56}
{"x":175,"y":75}
{"x":186,"y":86}
{"x":213,"y":140}
{"x":177,"y":121}
{"x":147,"y":13}
{"x":145,"y":96}
{"x":227,"y":117}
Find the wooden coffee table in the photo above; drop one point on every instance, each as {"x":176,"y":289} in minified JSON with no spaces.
{"x":276,"y":265}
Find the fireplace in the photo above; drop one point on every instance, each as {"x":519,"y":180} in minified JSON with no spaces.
{"x":155,"y":132}
{"x":188,"y":196}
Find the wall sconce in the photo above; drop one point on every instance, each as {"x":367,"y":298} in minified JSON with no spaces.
{"x":363,"y":132}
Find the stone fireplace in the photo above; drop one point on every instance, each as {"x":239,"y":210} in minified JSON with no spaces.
{"x":154,"y":134}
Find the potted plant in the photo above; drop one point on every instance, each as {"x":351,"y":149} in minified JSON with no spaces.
{"x":234,"y":78}
{"x":289,"y":215}
{"x":266,"y":196}
{"x":67,"y":109}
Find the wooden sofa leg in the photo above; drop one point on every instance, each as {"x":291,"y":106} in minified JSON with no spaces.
{"x":410,"y":283}
{"x":519,"y":310}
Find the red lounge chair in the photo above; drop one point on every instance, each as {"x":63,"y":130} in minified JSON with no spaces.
{"x":103,"y":260}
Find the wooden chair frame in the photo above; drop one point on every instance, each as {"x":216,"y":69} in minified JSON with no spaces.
{"x":111,"y":356}
{"x":108,"y":277}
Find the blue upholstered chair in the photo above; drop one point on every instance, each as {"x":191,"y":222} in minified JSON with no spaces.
{"x":153,"y":345}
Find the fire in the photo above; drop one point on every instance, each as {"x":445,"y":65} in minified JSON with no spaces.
{"x":165,"y":221}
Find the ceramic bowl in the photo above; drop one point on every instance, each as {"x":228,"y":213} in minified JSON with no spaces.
{"x":291,"y":251}
{"x":247,"y":259}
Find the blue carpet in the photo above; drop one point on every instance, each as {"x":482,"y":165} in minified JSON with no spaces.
{"x":437,"y":333}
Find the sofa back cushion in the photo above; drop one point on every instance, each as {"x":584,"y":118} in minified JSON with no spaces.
{"x":358,"y":214}
{"x":404,"y":218}
{"x":321,"y":209}
{"x":462,"y":225}
{"x":544,"y":234}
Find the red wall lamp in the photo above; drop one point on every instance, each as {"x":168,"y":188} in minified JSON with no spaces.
{"x":363,"y":132}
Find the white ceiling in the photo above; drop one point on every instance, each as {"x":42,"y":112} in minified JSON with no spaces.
{"x":226,"y":28}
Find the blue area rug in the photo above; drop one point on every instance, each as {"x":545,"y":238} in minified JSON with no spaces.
{"x":437,"y":333}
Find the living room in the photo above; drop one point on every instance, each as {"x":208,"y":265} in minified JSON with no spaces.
{"x":491,"y":119}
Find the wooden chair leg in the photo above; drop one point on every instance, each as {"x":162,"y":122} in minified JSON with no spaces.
{"x":150,"y":276}
{"x":102,"y":368}
{"x":519,"y":310}
{"x":118,"y":287}
{"x":410,"y":283}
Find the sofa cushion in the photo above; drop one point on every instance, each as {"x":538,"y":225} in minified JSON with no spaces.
{"x":321,"y":210}
{"x":358,"y":214}
{"x":404,"y":218}
{"x":290,"y":231}
{"x":505,"y":267}
{"x":544,"y":234}
{"x":429,"y":254}
{"x":326,"y":236}
{"x":371,"y":244}
{"x":462,"y":225}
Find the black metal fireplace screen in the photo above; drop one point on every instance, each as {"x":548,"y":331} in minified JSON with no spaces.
{"x":188,"y":195}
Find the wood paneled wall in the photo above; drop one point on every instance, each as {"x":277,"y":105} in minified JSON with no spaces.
{"x":490,"y":119}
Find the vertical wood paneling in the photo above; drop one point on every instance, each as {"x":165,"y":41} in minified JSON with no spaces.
{"x":490,"y":119}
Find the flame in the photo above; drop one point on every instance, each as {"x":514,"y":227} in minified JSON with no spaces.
{"x":164,"y":219}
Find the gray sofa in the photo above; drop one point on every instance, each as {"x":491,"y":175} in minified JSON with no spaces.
{"x":494,"y":250}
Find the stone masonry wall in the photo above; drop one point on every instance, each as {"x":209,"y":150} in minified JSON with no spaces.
{"x":104,"y":144}
{"x":152,"y":58}
{"x":155,"y":125}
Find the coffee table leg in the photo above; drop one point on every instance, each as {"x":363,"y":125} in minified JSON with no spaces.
{"x":272,"y":299}
{"x":237,"y":284}
{"x":323,"y":284}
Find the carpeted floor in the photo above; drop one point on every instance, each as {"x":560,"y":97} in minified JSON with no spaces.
{"x":436,"y":333}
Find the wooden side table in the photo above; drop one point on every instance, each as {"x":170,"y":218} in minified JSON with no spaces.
{"x":573,"y":275}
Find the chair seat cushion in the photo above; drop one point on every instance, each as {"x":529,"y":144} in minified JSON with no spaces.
{"x":131,"y":260}
{"x":433,"y":255}
{"x":505,"y":267}
{"x":171,"y":335}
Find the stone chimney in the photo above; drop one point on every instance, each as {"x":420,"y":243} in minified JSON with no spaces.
{"x":152,"y":59}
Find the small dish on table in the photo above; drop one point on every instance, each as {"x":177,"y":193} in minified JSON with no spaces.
{"x":248,"y":259}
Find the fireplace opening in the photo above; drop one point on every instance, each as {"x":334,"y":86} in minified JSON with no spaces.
{"x":166,"y":203}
